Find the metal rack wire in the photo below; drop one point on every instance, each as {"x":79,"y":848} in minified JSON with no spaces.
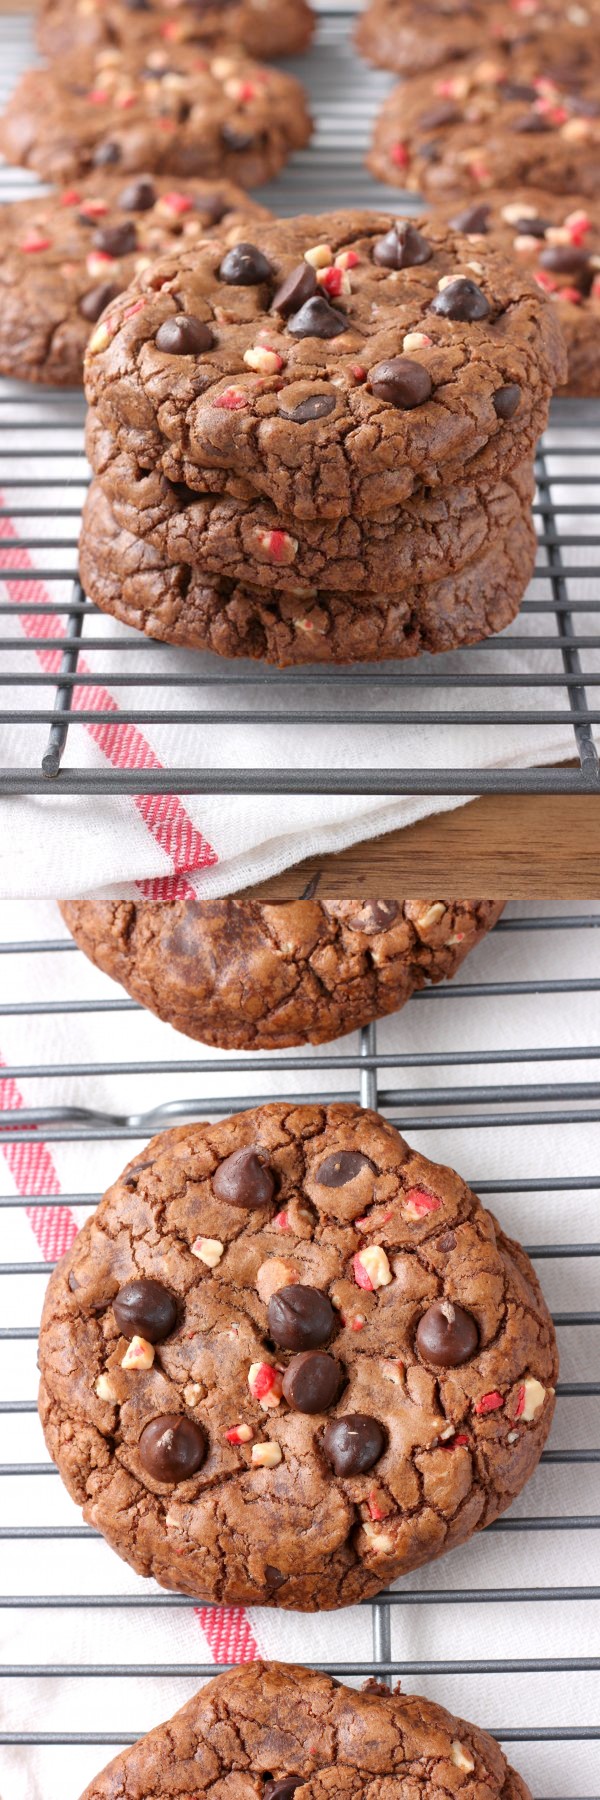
{"x":446,"y":1099}
{"x":542,"y":672}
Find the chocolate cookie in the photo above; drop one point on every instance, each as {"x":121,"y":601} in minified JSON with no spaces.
{"x":527,"y":120}
{"x":396,"y":34}
{"x":288,"y":1360}
{"x":272,"y":1729}
{"x":349,"y":358}
{"x":265,"y":28}
{"x":174,"y":111}
{"x":558,"y":239}
{"x":65,"y":256}
{"x":125,"y":576}
{"x":247,"y":976}
{"x":433,"y":536}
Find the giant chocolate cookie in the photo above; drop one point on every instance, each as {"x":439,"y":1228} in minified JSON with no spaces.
{"x":265,"y":28}
{"x":65,"y":256}
{"x":411,"y":38}
{"x":125,"y":576}
{"x":174,"y":112}
{"x":288,"y":1360}
{"x":271,"y":1730}
{"x":333,"y":365}
{"x":247,"y":976}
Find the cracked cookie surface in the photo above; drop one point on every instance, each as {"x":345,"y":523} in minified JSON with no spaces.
{"x":264,"y":28}
{"x":276,"y":1722}
{"x":248,"y":976}
{"x":349,"y":359}
{"x":172,"y":112}
{"x":197,"y":1448}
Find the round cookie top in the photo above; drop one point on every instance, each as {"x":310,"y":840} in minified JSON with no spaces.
{"x":531,"y":119}
{"x":64,"y":257}
{"x":279,"y":28}
{"x":347,"y":359}
{"x":268,"y":1730}
{"x":174,"y":110}
{"x":250,"y":976}
{"x":394,"y":35}
{"x":289,"y":1359}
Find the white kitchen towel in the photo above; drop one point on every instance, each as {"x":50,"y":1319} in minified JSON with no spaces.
{"x":70,"y":1048}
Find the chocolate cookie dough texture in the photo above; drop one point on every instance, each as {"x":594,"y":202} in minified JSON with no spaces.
{"x":247,"y":976}
{"x":413,"y":36}
{"x":288,"y":1360}
{"x":175,"y":110}
{"x":265,"y":28}
{"x":275,"y":1730}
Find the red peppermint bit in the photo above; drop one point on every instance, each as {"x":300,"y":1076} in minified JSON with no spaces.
{"x":423,"y":1202}
{"x":577,"y":224}
{"x":451,"y":1443}
{"x":136,"y":307}
{"x":35,"y":242}
{"x":332,"y":280}
{"x":231,"y":400}
{"x":461,"y":1438}
{"x":445,"y":89}
{"x":126,"y":100}
{"x":358,"y":372}
{"x":281,"y":1222}
{"x":545,"y":280}
{"x":399,"y":156}
{"x":70,"y":197}
{"x":348,"y":259}
{"x":167,"y":124}
{"x":94,"y":209}
{"x":479,"y":172}
{"x":570,"y":293}
{"x":178,"y":203}
{"x":360,"y":1275}
{"x":490,"y":1402}
{"x":595,"y":292}
{"x":356,"y":1324}
{"x":169,"y":29}
{"x":520,"y":1406}
{"x":97,"y":97}
{"x":246,"y":91}
{"x":374,"y":1507}
{"x":277,"y":544}
{"x":234,"y":1437}
{"x":264,"y":1381}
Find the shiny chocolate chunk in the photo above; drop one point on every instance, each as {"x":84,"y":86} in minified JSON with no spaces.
{"x":245,"y":266}
{"x":116,"y":240}
{"x":184,"y":335}
{"x":340,"y":1168}
{"x":312,"y":1381}
{"x":531,"y":122}
{"x":282,"y":1790}
{"x":402,"y":248}
{"x":138,"y":196}
{"x":105,"y":154}
{"x":461,"y":299}
{"x":505,"y":401}
{"x":244,"y":1179}
{"x":374,"y":916}
{"x":475,"y":219}
{"x":353,"y":1444}
{"x":172,"y":1447}
{"x":92,"y":304}
{"x":564,"y":259}
{"x":300,"y":1317}
{"x":447,"y":1335}
{"x":316,"y":406}
{"x":402,"y":382}
{"x":437,"y":116}
{"x":299,"y":286}
{"x":317,"y":319}
{"x":146,"y":1308}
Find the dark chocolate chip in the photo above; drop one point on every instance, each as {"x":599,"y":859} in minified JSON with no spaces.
{"x":316,"y":406}
{"x":375,"y":915}
{"x":146,"y":1307}
{"x":105,"y":154}
{"x":354,"y":1443}
{"x":312,"y":1381}
{"x":402,"y":382}
{"x":93,"y":303}
{"x":74,"y":1284}
{"x":402,"y":248}
{"x":300,"y":1318}
{"x":506,"y":400}
{"x":536,"y":228}
{"x":317,"y":319}
{"x":518,"y":90}
{"x":340,"y":1168}
{"x":245,"y":266}
{"x":184,"y":335}
{"x":282,"y":1790}
{"x":564,"y":259}
{"x":447,"y":1242}
{"x":447,"y":1335}
{"x":116,"y":240}
{"x":138,"y":5}
{"x":461,"y":299}
{"x":436,"y":116}
{"x":172,"y":1447}
{"x":473,"y":219}
{"x":274,"y":1576}
{"x":244,"y":1179}
{"x":139,"y":196}
{"x":531,"y":122}
{"x":299,"y":286}
{"x":213,"y":206}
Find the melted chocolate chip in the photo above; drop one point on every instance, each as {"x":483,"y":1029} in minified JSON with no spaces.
{"x":105,"y":154}
{"x":474,"y":219}
{"x":317,"y":319}
{"x":244,"y":1179}
{"x":505,"y":401}
{"x":353,"y":1444}
{"x":374,"y":916}
{"x":282,"y":1790}
{"x":340,"y":1168}
{"x":436,"y":116}
{"x":447,"y":1242}
{"x":299,"y":286}
{"x":447,"y":1335}
{"x":145,"y":1306}
{"x":312,"y":1381}
{"x":461,"y":299}
{"x":245,"y":266}
{"x":402,"y":382}
{"x":536,"y":228}
{"x":564,"y":259}
{"x":316,"y":406}
{"x":93,"y":303}
{"x":172,"y":1447}
{"x":402,"y":248}
{"x":300,"y":1317}
{"x":184,"y":335}
{"x":139,"y":196}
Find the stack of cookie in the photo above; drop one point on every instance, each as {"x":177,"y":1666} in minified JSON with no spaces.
{"x":318,"y":446}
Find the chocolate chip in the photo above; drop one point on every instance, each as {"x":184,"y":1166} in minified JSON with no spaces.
{"x":275,"y":1579}
{"x":461,"y":299}
{"x":244,"y":1179}
{"x":106,"y":153}
{"x":447,"y":1335}
{"x":536,"y":228}
{"x":212,"y":206}
{"x":300,"y":1317}
{"x":402,"y":382}
{"x":139,"y":196}
{"x":316,"y":406}
{"x":299,"y":286}
{"x":145,"y":1306}
{"x":436,"y":116}
{"x":473,"y":219}
{"x":518,"y":90}
{"x":531,"y":122}
{"x":172,"y":1447}
{"x":93,"y":303}
{"x":564,"y":259}
{"x":282,"y":1790}
{"x":74,"y":1284}
{"x":116,"y":240}
{"x":236,"y":140}
{"x":343,"y":1166}
{"x":447,"y":1242}
{"x":317,"y":319}
{"x":506,"y":400}
{"x":312,"y":1381}
{"x":375,"y":915}
{"x":353,"y":1444}
{"x":184,"y":335}
{"x":402,"y":248}
{"x":245,"y":266}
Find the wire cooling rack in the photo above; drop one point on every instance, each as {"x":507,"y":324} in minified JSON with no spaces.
{"x":475,"y":1095}
{"x":541,"y":675}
